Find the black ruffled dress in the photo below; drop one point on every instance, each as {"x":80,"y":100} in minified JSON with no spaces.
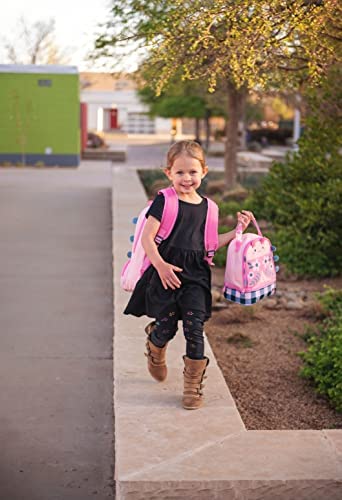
{"x":183,"y":248}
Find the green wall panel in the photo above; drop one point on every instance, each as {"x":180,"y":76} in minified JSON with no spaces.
{"x":34,"y":117}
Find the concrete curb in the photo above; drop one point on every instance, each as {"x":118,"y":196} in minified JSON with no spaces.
{"x":165,"y":452}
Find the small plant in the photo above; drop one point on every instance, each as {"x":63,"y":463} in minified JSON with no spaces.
{"x":323,"y":359}
{"x":306,"y":335}
{"x":240,"y":340}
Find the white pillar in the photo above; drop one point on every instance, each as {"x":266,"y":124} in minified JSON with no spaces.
{"x":100,"y":120}
{"x":179,"y":126}
{"x":296,"y":127}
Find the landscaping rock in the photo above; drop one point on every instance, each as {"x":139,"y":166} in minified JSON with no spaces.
{"x":291,"y":296}
{"x":271,"y":303}
{"x":216,"y":296}
{"x":238,"y":194}
{"x":291,"y":305}
{"x":283,"y":301}
{"x":214,"y":187}
{"x":220,"y":305}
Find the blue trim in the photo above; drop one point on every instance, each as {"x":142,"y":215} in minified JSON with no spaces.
{"x":62,"y":160}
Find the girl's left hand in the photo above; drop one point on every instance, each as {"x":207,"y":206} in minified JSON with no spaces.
{"x":244,"y":218}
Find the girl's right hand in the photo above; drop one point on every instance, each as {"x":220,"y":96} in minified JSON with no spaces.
{"x":167,"y":275}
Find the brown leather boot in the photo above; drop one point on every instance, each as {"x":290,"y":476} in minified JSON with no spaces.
{"x":156,"y":362}
{"x":194,"y":370}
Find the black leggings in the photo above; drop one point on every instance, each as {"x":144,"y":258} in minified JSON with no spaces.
{"x":193,"y":321}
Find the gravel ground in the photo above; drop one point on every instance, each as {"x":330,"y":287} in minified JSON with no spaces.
{"x":256,"y":350}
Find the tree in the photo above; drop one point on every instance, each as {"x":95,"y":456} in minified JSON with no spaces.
{"x":272,"y":43}
{"x":34,"y":44}
{"x":303,"y":197}
{"x":181,"y":99}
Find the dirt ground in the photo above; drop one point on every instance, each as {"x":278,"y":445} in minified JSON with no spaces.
{"x":256,"y":350}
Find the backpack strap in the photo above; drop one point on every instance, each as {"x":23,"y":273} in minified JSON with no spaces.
{"x":169,"y":216}
{"x":211,"y":231}
{"x":257,"y":226}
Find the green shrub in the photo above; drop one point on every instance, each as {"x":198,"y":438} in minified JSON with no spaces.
{"x":229,"y":208}
{"x":220,"y":257}
{"x":250,"y":204}
{"x":331,"y":301}
{"x":303,"y":197}
{"x":149,"y":177}
{"x":323,"y":359}
{"x":221,"y":254}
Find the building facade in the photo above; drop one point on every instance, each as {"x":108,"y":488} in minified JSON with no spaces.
{"x":113,"y":105}
{"x":39,"y":115}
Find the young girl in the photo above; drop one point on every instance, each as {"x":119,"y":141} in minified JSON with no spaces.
{"x":177,"y":286}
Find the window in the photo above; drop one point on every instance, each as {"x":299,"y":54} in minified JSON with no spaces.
{"x":45,"y":83}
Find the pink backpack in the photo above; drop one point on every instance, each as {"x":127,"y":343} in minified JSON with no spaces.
{"x":250,"y":270}
{"x":138,"y":261}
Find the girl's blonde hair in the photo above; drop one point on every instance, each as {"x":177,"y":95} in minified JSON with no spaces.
{"x":191,"y":148}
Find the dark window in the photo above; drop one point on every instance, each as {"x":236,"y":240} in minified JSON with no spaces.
{"x":44,"y":83}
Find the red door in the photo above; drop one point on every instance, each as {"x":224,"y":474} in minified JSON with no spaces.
{"x":113,"y":118}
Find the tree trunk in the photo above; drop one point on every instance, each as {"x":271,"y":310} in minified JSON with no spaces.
{"x":207,"y":130}
{"x":197,"y":130}
{"x":242,"y":123}
{"x":235,"y":99}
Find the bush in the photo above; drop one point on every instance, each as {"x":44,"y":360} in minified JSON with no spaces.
{"x":221,"y":254}
{"x":229,"y":208}
{"x":303,"y":197}
{"x":148,"y":179}
{"x":323,"y":359}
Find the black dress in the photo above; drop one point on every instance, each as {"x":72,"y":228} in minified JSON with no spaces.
{"x":183,"y":248}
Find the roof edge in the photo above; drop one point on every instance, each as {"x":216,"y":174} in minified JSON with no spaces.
{"x":37,"y":68}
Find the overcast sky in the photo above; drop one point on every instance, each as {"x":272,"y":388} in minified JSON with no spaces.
{"x":76,"y":22}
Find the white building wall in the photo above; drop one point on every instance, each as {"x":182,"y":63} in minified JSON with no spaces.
{"x":163,"y":125}
{"x":131,"y":112}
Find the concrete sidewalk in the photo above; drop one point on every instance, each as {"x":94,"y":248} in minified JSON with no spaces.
{"x":56,"y":368}
{"x":56,"y":314}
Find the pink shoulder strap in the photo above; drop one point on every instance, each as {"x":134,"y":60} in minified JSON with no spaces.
{"x":169,"y":216}
{"x":211,"y":231}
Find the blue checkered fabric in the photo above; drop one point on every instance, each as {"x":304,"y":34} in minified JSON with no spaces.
{"x":249,"y":298}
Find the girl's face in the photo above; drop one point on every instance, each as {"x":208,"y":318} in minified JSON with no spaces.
{"x":186,"y":174}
